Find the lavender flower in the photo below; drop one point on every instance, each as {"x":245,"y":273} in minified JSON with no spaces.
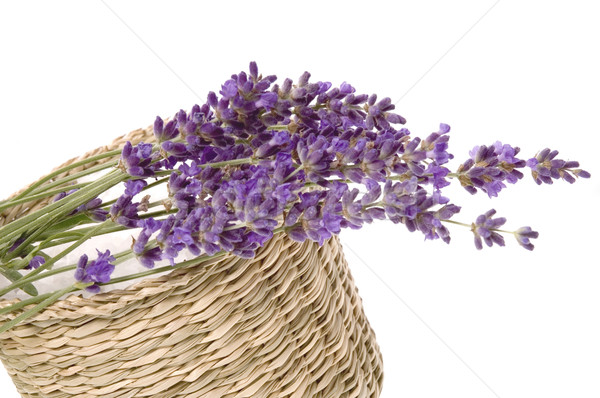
{"x":544,"y":168}
{"x":485,"y":228}
{"x":35,"y":262}
{"x":523,"y":235}
{"x":147,"y":255}
{"x":401,"y":199}
{"x":436,"y":145}
{"x":378,"y":115}
{"x":165,"y":133}
{"x":97,"y":271}
{"x":125,"y":212}
{"x":133,"y":187}
{"x":93,"y":210}
{"x":63,"y":195}
{"x":314,"y":157}
{"x":137,"y":160}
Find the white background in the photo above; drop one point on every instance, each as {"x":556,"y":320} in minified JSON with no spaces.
{"x":73,"y":76}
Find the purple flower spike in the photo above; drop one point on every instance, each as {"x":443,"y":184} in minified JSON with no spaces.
{"x":523,"y":235}
{"x":97,"y":271}
{"x":489,"y":167}
{"x":483,"y":228}
{"x":544,"y":168}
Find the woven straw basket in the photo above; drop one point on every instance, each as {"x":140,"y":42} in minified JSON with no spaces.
{"x":287,"y":323}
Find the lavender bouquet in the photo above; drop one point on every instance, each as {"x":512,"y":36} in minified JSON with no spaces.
{"x":303,"y":159}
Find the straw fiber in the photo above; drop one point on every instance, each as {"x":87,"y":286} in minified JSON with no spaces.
{"x":288,"y":323}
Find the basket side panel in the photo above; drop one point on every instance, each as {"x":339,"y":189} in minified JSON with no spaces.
{"x":288,"y":323}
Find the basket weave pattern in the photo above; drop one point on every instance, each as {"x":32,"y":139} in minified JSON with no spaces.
{"x":287,"y":323}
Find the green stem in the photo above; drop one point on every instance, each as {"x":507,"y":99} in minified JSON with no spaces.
{"x":236,"y":226}
{"x":105,"y":205}
{"x":89,"y":234}
{"x":30,"y":239}
{"x":230,"y":162}
{"x":76,"y":176}
{"x":293,"y":173}
{"x":123,"y":256}
{"x":67,"y":225}
{"x":63,"y":241}
{"x":13,"y":275}
{"x":70,"y":236}
{"x":451,"y":175}
{"x":470,"y":226}
{"x":457,"y":223}
{"x":23,"y":303}
{"x":503,"y":231}
{"x":37,"y":308}
{"x":67,"y":168}
{"x":13,"y":230}
{"x":40,"y":196}
{"x":158,"y":213}
{"x":278,"y":127}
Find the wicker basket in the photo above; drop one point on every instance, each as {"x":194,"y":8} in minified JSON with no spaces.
{"x":287,"y":323}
